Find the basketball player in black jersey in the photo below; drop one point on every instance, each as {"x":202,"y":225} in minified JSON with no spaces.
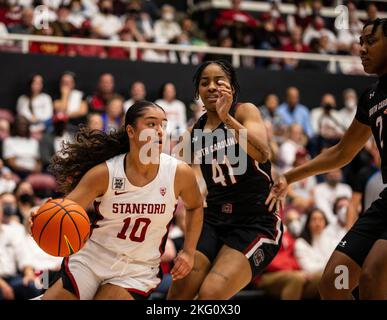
{"x":363,"y":251}
{"x":240,"y":236}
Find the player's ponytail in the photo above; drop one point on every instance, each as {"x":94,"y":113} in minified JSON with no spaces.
{"x":92,"y":147}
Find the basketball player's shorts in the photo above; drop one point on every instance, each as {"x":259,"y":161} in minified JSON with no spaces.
{"x":93,"y":266}
{"x":369,"y":227}
{"x":257,"y":236}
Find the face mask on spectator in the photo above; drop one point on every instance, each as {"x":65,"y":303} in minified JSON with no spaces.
{"x":25,"y":198}
{"x":168,"y":16}
{"x":295,"y":227}
{"x":106,"y":10}
{"x":342,"y":214}
{"x":9,"y":210}
{"x":350,"y":103}
{"x":332,"y":181}
{"x":327,"y":107}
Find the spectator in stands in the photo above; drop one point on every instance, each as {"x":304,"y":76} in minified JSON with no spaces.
{"x":26,"y":25}
{"x":347,"y":113}
{"x":11,"y":214}
{"x":175,"y":109}
{"x":301,"y":192}
{"x":105,"y":90}
{"x":52,"y":141}
{"x":295,"y":45}
{"x":196,"y":36}
{"x":25,"y":197}
{"x":314,"y":246}
{"x":35,"y":105}
{"x":326,"y":193}
{"x":50,"y":48}
{"x":166,"y":28}
{"x":353,"y":67}
{"x":141,"y":18}
{"x":112,"y":118}
{"x":267,"y":38}
{"x":76,"y":16}
{"x":158,"y":55}
{"x":70,"y":101}
{"x":7,"y":182}
{"x":62,"y":26}
{"x":291,"y":111}
{"x":105,"y":24}
{"x":231,"y":21}
{"x":283,"y":278}
{"x":337,"y":230}
{"x":296,"y":140}
{"x":15,"y":257}
{"x":351,"y":33}
{"x":317,"y":30}
{"x":86,"y":50}
{"x":4,"y":132}
{"x":185,"y":57}
{"x":301,"y":18}
{"x":137,"y":93}
{"x":94,"y":121}
{"x":326,"y":123}
{"x":269,"y":111}
{"x":20,"y":151}
{"x":372,"y":11}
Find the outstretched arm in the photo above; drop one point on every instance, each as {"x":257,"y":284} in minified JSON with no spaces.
{"x":187,"y":188}
{"x":335,"y":157}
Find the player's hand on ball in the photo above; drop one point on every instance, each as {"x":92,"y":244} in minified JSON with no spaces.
{"x":183,"y":265}
{"x":277,"y":193}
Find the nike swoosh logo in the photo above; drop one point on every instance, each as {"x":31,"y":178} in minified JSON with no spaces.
{"x":118,"y":193}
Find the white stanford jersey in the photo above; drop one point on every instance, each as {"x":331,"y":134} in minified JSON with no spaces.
{"x":133,"y":221}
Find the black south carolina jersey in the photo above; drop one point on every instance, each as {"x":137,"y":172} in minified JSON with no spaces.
{"x":372,"y":111}
{"x":236,"y":183}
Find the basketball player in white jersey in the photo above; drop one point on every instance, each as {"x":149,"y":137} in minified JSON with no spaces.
{"x":134,"y":203}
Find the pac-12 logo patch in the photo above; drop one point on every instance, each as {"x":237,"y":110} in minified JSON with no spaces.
{"x":258,"y":257}
{"x":118,"y":183}
{"x":163,"y":191}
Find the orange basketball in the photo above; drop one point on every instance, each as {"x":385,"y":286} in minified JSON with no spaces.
{"x":60,"y":227}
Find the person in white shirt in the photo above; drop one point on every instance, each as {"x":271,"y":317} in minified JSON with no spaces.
{"x":71,"y":100}
{"x":137,"y":93}
{"x":167,"y":28}
{"x":326,"y":121}
{"x":20,"y":151}
{"x":288,"y":150}
{"x":15,"y":257}
{"x":35,"y":105}
{"x":327,"y":192}
{"x":174,"y":109}
{"x":337,"y":230}
{"x":316,"y":30}
{"x":76,"y":16}
{"x":105,"y":24}
{"x":314,"y":247}
{"x":347,"y":113}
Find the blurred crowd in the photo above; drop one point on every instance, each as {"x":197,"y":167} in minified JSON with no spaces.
{"x":307,"y":30}
{"x":318,"y":212}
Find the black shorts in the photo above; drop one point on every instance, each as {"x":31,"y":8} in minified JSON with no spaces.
{"x":259,"y":241}
{"x":370,"y":227}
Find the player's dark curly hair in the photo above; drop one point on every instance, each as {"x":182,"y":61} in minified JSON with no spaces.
{"x":228,"y":70}
{"x":92,"y":147}
{"x":375,"y":25}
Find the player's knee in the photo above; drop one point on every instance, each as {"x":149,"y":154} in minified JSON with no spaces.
{"x":209,"y":292}
{"x":368,"y":276}
{"x":326,"y":286}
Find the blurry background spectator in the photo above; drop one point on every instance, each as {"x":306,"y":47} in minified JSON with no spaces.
{"x":105,"y":90}
{"x":70,"y":100}
{"x":137,"y":93}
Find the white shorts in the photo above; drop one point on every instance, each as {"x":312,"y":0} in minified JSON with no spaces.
{"x":93,"y":266}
